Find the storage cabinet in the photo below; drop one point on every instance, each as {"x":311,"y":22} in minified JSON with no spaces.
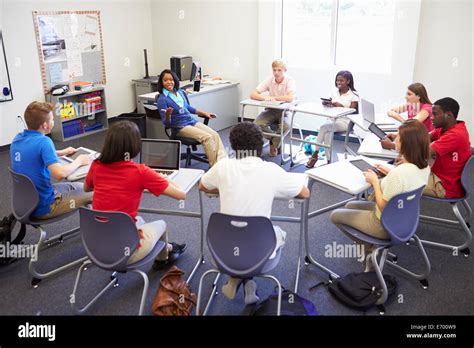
{"x":78,"y":113}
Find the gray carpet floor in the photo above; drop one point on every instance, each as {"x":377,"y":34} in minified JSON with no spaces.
{"x":450,"y":284}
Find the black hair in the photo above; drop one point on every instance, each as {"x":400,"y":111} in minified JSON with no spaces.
{"x":162,"y":75}
{"x":122,"y":142}
{"x":348,"y":76}
{"x":246,"y":139}
{"x":448,"y":105}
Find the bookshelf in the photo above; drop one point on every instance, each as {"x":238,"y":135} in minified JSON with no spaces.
{"x":78,"y":114}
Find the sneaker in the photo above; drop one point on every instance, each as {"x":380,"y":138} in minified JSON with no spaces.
{"x":231,"y":287}
{"x":173,"y":255}
{"x":250,"y":290}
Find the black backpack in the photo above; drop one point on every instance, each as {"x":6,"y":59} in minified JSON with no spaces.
{"x":291,"y":304}
{"x":360,"y":290}
{"x":7,"y":226}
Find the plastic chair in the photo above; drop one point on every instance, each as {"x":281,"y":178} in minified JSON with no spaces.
{"x":25,"y":199}
{"x":400,"y":219}
{"x":109,"y":239}
{"x":462,"y":222}
{"x":241,"y":247}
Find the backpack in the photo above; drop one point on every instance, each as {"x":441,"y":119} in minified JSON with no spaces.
{"x":291,"y":304}
{"x":174,"y":296}
{"x":360,"y":290}
{"x":7,"y":225}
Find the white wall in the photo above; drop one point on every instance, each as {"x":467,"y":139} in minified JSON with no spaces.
{"x":126,"y":28}
{"x":445,"y":54}
{"x":222,"y":35}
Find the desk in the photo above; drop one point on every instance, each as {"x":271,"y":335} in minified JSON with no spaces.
{"x":222,"y":99}
{"x":334,"y":175}
{"x":381,"y":120}
{"x":371,"y":147}
{"x":186,"y":179}
{"x":317,"y":109}
{"x":284,"y":107}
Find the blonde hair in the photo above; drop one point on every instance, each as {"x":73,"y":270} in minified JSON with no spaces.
{"x":37,"y":113}
{"x":279,"y":63}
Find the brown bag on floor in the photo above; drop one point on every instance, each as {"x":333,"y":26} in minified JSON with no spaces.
{"x":174,"y":296}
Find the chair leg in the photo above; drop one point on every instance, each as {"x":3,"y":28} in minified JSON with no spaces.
{"x":461,"y":222}
{"x":279,"y":290}
{"x":145,"y":290}
{"x":198,"y":303}
{"x":41,"y":245}
{"x":373,"y":258}
{"x":73,"y":298}
{"x":422,"y":276}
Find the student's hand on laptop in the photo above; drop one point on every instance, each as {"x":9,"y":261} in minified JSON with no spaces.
{"x":83,"y":160}
{"x":382,"y":169}
{"x":370,"y":177}
{"x":392,"y":136}
{"x":337,"y":104}
{"x":387,"y":144}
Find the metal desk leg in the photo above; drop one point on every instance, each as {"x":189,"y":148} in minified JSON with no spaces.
{"x":200,"y":260}
{"x":300,"y":245}
{"x":309,"y":258}
{"x":331,"y":141}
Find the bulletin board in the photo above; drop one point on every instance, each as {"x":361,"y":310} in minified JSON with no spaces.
{"x":69,"y":47}
{"x":5,"y":87}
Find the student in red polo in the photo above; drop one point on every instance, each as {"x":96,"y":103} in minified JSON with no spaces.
{"x":450,"y":144}
{"x":118,"y":184}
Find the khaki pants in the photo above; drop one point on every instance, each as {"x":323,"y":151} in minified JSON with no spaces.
{"x":151,"y":233}
{"x":208,"y":138}
{"x":67,"y":197}
{"x":269,"y":117}
{"x":324,"y":134}
{"x":361,"y":215}
{"x":434,"y":188}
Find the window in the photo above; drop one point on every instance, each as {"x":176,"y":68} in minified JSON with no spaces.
{"x":347,"y":34}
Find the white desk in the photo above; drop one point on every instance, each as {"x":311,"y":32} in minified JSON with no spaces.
{"x":284,"y":107}
{"x":186,"y":179}
{"x":383,"y":121}
{"x":317,"y":109}
{"x":222,"y":99}
{"x":371,"y":147}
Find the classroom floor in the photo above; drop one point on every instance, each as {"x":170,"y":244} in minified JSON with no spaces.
{"x":451,"y":282}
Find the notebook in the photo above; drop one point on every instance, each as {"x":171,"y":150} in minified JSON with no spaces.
{"x":162,"y":156}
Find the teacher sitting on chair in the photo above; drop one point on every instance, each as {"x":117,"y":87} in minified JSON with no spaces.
{"x":176,"y":113}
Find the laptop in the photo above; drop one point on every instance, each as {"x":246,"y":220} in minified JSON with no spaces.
{"x":367,"y":110}
{"x":162,"y":156}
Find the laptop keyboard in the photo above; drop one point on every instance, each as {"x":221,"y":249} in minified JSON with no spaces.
{"x":164,"y":172}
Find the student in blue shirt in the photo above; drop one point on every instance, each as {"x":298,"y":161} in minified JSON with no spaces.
{"x":176,"y":113}
{"x":33,"y":154}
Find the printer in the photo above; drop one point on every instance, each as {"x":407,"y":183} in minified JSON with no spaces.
{"x":181,"y":65}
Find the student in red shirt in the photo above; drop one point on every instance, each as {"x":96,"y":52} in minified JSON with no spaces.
{"x":118,"y":184}
{"x":450,"y":144}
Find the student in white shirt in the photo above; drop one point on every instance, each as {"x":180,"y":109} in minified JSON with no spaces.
{"x":343,"y":95}
{"x":413,"y":144}
{"x":280,"y":87}
{"x":247,"y":186}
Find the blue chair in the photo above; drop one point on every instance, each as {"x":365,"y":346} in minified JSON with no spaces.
{"x":109,"y":239}
{"x":462,"y":222}
{"x":400,"y":219}
{"x":25,"y":199}
{"x":240,"y":247}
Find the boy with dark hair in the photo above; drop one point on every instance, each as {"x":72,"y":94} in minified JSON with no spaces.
{"x":451,"y":146}
{"x":33,"y":154}
{"x":247,"y":186}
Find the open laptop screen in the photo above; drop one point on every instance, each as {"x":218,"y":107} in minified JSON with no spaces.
{"x":367,"y":110}
{"x":161,"y":154}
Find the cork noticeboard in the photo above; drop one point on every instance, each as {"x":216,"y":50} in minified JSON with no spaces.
{"x":69,"y":47}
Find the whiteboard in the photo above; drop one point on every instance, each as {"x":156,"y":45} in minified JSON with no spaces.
{"x":69,"y":47}
{"x":5,"y":87}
